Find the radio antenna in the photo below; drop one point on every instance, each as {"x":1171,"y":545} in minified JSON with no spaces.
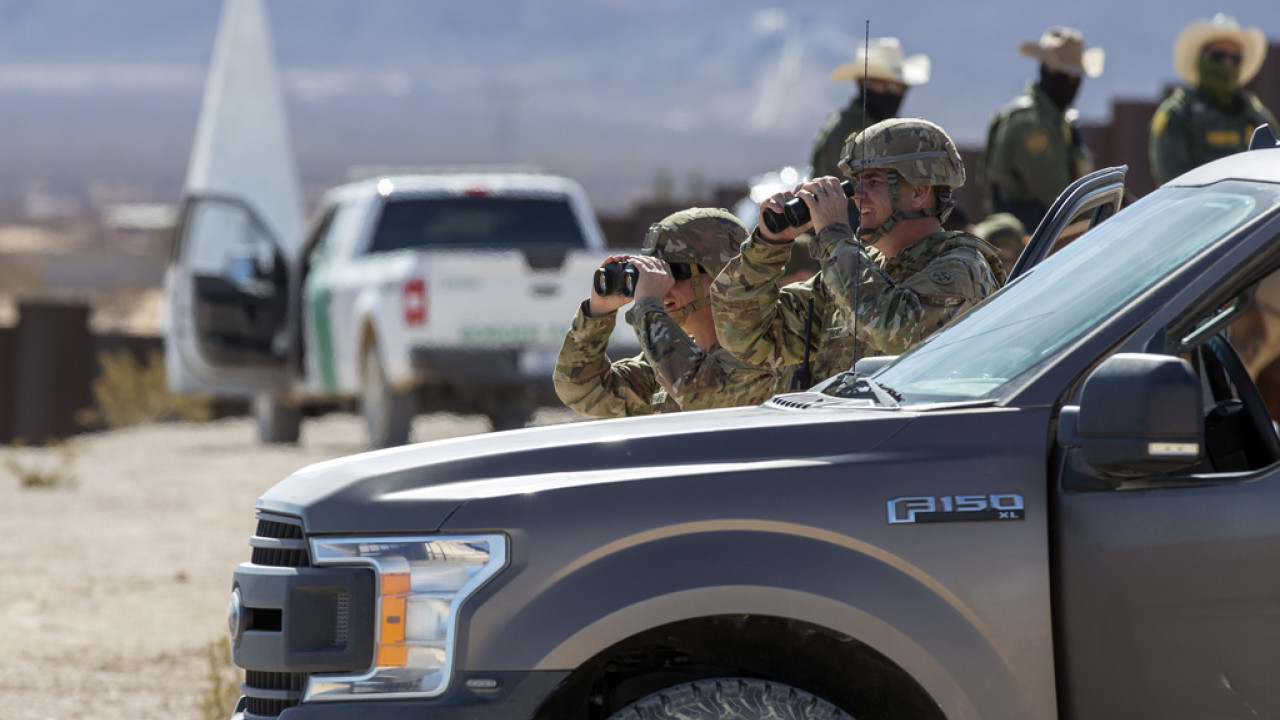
{"x":862,"y":154}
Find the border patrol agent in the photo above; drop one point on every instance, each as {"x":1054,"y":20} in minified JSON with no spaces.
{"x":883,"y":76}
{"x":1034,"y":146}
{"x":1215,"y":116}
{"x":681,"y":366}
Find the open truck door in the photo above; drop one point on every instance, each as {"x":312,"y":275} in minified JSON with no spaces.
{"x":227,"y":282}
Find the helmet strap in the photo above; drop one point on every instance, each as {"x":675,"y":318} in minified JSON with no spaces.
{"x":946,"y":201}
{"x":701,"y":299}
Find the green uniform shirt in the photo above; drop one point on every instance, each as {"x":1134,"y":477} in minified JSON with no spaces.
{"x":1033,"y":153}
{"x":671,"y":372}
{"x":1188,"y":131}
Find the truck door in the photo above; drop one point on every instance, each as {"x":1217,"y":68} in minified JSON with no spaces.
{"x":1083,"y":204}
{"x":1167,"y":588}
{"x":227,"y":282}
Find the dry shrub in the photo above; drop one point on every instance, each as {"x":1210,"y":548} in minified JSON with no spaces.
{"x":131,"y":393}
{"x":45,"y":469}
{"x":222,"y":683}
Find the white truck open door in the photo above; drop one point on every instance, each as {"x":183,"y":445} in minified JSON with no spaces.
{"x":227,"y":281}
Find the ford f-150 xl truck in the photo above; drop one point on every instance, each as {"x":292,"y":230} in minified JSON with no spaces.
{"x":1065,"y":504}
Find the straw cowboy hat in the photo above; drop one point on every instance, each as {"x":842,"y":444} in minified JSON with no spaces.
{"x":1186,"y":50}
{"x":1062,"y":49}
{"x":883,"y":60}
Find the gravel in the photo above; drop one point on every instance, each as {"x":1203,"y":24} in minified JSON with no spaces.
{"x":116,"y":585}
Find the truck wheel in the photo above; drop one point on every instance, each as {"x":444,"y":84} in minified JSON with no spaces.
{"x":277,"y":421}
{"x":387,"y":413}
{"x":731,"y":699}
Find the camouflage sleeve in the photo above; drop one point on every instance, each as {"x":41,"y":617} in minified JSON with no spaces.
{"x":1169,"y":145}
{"x":894,"y":316}
{"x":589,"y":383}
{"x":755,"y":320}
{"x":694,"y":378}
{"x":1038,"y":154}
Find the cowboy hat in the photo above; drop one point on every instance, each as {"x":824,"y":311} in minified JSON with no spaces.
{"x":882,"y":59}
{"x":1062,"y":49}
{"x":1186,"y":50}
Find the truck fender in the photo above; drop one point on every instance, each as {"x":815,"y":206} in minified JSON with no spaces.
{"x":725,"y":567}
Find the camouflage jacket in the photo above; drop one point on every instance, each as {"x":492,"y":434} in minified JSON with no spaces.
{"x":905,"y":298}
{"x":766,"y":325}
{"x":1034,"y":151}
{"x":1188,"y":131}
{"x":671,"y":373}
{"x":829,"y":143}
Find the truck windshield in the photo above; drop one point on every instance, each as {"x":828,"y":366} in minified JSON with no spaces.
{"x":1029,"y":321}
{"x":477,"y":223}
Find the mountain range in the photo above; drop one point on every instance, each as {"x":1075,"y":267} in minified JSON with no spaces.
{"x":99,"y":99}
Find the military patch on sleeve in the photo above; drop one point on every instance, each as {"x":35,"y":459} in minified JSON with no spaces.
{"x":1037,"y":141}
{"x":942,"y":277}
{"x":1158,"y":123}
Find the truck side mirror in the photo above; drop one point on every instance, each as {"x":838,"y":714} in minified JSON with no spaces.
{"x":1138,"y":415}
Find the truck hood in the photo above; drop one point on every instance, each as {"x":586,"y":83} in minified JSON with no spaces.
{"x":415,"y":488}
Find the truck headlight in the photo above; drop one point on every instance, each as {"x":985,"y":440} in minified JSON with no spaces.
{"x":422,"y":581}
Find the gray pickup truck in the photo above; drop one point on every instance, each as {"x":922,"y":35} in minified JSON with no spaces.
{"x":1065,"y":504}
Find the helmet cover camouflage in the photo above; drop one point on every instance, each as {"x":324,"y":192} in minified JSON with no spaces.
{"x":708,"y":237}
{"x":921,"y":152}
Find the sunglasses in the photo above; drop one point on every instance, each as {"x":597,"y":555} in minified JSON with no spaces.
{"x":1224,"y":57}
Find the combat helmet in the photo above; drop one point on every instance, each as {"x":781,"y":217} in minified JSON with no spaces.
{"x":705,"y":239}
{"x":913,"y":149}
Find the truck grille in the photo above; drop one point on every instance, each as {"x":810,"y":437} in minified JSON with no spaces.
{"x":279,"y":542}
{"x":267,"y":694}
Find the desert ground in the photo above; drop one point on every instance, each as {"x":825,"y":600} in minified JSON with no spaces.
{"x":116,"y":580}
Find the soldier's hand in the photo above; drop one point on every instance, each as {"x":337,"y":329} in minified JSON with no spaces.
{"x":604,"y":304}
{"x":655,"y":279}
{"x":775,"y":204}
{"x":826,"y":200}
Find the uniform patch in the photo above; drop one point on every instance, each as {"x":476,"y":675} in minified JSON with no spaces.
{"x":1158,"y":123}
{"x":1037,"y":141}
{"x":1223,"y":138}
{"x":942,"y":277}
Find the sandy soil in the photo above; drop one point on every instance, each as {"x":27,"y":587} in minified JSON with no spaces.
{"x":114,"y":587}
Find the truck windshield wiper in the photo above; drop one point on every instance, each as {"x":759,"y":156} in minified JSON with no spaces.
{"x":852,"y":385}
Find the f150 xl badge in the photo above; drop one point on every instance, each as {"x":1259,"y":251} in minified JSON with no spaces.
{"x":956,"y":508}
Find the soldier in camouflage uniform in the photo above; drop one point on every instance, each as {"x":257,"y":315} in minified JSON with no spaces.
{"x":877,"y":300}
{"x":680,"y":367}
{"x":883,"y":76}
{"x":1034,"y":146}
{"x":1215,"y":117}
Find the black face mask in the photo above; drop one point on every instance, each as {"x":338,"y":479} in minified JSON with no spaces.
{"x":881,"y":106}
{"x":1060,"y":87}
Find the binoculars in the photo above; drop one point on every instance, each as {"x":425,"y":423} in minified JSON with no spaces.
{"x":620,"y":277}
{"x":795,"y":213}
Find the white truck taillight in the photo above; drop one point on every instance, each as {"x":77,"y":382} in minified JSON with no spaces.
{"x":415,"y":301}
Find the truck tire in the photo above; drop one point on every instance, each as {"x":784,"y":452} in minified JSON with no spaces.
{"x":731,"y":699}
{"x":278,"y":423}
{"x":387,"y":413}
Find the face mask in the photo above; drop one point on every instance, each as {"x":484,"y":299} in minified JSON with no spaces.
{"x":1060,"y":87}
{"x":1219,"y":80}
{"x":882,"y":106}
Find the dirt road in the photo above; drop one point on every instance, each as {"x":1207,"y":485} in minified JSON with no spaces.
{"x":113,"y":588}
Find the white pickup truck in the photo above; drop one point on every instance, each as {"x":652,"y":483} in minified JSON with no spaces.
{"x":449,"y":291}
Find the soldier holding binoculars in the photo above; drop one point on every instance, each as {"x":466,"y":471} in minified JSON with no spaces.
{"x":681,"y":365}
